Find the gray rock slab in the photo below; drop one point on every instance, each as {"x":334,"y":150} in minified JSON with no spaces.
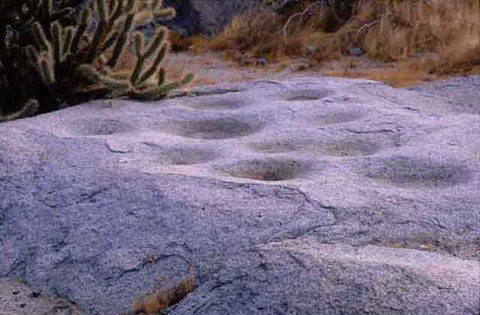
{"x":304,"y":196}
{"x":337,"y":279}
{"x":17,"y":298}
{"x":462,"y":92}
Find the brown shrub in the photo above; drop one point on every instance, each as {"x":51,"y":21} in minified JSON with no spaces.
{"x":443,"y":36}
{"x":162,"y":298}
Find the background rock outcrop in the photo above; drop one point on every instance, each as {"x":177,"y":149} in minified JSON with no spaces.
{"x":206,"y":17}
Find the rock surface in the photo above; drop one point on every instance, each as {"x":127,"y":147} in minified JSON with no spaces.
{"x":311,"y":195}
{"x":18,"y":299}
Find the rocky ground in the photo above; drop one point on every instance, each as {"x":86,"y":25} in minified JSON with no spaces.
{"x":287,"y":194}
{"x":18,"y":298}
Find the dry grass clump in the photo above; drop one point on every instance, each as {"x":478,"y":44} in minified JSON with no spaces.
{"x":441,"y":36}
{"x":162,"y":298}
{"x":260,"y":35}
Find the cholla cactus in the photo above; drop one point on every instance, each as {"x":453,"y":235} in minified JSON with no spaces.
{"x":76,"y":61}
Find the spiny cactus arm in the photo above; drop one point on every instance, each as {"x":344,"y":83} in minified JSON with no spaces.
{"x":85,"y":20}
{"x":117,"y":11}
{"x":157,"y":43}
{"x":136,"y":71}
{"x":156,"y":3}
{"x":139,"y":45}
{"x":87,"y":74}
{"x":45,"y":69}
{"x":164,"y":13}
{"x":146,"y":16}
{"x":67,"y":46}
{"x":102,"y":10}
{"x":120,"y":75}
{"x":32,"y":54}
{"x":29,"y":109}
{"x":100,"y":32}
{"x":122,"y":40}
{"x":35,"y":6}
{"x":139,"y":48}
{"x":85,"y":95}
{"x":157,"y":46}
{"x":142,"y":18}
{"x":112,"y":39}
{"x":154,"y":10}
{"x":118,"y":49}
{"x":47,"y":9}
{"x":162,"y":77}
{"x":61,"y":13}
{"x":57,"y":41}
{"x":153,"y":68}
{"x":91,"y":76}
{"x":131,"y":6}
{"x":159,"y":92}
{"x":40,"y":37}
{"x":112,"y":5}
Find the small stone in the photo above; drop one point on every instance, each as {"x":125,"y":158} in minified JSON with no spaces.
{"x":356,"y":51}
{"x":261,"y":62}
{"x":34,"y":294}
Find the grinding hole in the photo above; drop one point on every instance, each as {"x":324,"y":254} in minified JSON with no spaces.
{"x":307,"y":94}
{"x":182,"y":155}
{"x":223,"y":128}
{"x":277,"y":146}
{"x":337,"y":118}
{"x":406,"y":172}
{"x":268,"y":170}
{"x":348,"y":148}
{"x":99,"y":127}
{"x":339,"y":148}
{"x":218,"y":103}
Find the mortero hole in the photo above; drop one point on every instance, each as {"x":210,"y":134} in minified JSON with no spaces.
{"x":278,"y":146}
{"x":268,"y":169}
{"x":182,"y":154}
{"x":218,"y":103}
{"x":99,"y":127}
{"x":337,"y":118}
{"x":408,"y":172}
{"x":327,"y":147}
{"x":222,"y":128}
{"x":347,"y":148}
{"x":307,"y":94}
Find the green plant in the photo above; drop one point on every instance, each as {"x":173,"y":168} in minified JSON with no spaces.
{"x":71,"y":56}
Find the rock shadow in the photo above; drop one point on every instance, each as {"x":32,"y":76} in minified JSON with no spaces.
{"x":211,"y":129}
{"x":268,"y":169}
{"x":407,"y":172}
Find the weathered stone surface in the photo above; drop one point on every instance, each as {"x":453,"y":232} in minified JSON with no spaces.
{"x":336,"y":279}
{"x":306,"y":196}
{"x":16,"y":298}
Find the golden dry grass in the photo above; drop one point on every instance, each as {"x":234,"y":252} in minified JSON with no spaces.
{"x":421,"y":37}
{"x":162,"y":298}
{"x":443,"y":34}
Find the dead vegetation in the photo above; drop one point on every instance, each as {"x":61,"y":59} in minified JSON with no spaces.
{"x":418,"y":39}
{"x":162,"y":298}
